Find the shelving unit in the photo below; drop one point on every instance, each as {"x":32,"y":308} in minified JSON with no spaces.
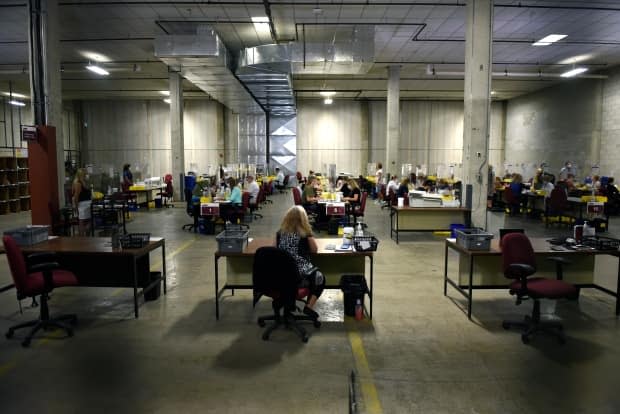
{"x":14,"y":184}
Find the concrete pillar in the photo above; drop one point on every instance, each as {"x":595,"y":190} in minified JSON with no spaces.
{"x":392,"y":139}
{"x":177,"y":142}
{"x":45,"y":80}
{"x":476,"y":125}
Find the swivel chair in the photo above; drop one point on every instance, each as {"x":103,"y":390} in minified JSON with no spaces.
{"x":192,"y":211}
{"x":167,"y":194}
{"x":257,"y":205}
{"x":358,"y":211}
{"x":557,"y":206}
{"x":38,"y":277}
{"x":519,"y":262}
{"x":279,"y":283}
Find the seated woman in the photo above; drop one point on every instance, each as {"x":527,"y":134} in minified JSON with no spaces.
{"x":295,"y":236}
{"x":355,"y":195}
{"x":308,"y":197}
{"x":403,"y":189}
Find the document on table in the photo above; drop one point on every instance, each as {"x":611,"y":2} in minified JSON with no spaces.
{"x":344,"y":248}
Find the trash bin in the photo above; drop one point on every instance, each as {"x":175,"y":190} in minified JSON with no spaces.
{"x":353,"y":288}
{"x":155,"y":291}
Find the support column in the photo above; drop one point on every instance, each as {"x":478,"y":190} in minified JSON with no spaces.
{"x":46,"y":93}
{"x":477,"y":97}
{"x":392,"y":139}
{"x":177,"y":142}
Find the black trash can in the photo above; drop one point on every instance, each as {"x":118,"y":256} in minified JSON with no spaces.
{"x":155,"y":291}
{"x":353,"y":288}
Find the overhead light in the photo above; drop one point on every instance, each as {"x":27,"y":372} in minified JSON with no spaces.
{"x":327,"y":93}
{"x":15,"y":95}
{"x":97,"y":69}
{"x":17,"y":103}
{"x":493,"y":92}
{"x":328,"y":101}
{"x":573,"y":72}
{"x":166,"y":93}
{"x":317,"y":10}
{"x":547,"y":40}
{"x":167,"y":100}
{"x":260,"y":19}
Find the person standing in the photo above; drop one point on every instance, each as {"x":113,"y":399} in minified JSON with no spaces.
{"x":295,"y":237}
{"x":566,"y":170}
{"x":378,"y":179}
{"x":127,"y":178}
{"x":81,"y":200}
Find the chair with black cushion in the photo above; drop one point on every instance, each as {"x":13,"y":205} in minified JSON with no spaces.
{"x":282,"y":187}
{"x":358,"y":211}
{"x":192,"y":209}
{"x":519,"y":263}
{"x":279,"y":282}
{"x":35,"y":276}
{"x":512,"y":201}
{"x":267,"y":190}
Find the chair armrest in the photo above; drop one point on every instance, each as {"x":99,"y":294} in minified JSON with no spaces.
{"x":43,"y":267}
{"x":41,"y":257}
{"x":560,"y":260}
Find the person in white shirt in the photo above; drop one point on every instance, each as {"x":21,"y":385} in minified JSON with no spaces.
{"x":279,"y":177}
{"x":392,"y":186}
{"x":252,"y":188}
{"x":379,"y":179}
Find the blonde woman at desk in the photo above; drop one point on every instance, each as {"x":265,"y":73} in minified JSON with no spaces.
{"x":295,"y":237}
{"x":81,"y":199}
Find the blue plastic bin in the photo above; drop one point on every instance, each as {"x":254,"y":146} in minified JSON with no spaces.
{"x":454,"y":228}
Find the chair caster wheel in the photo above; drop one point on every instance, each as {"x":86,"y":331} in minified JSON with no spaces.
{"x":525,"y":339}
{"x":505,"y":325}
{"x":304,"y":339}
{"x":265,"y":337}
{"x":317,"y":324}
{"x":9,"y":334}
{"x":26,"y":343}
{"x":261,"y":323}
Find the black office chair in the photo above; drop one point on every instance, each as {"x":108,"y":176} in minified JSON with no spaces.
{"x":280,"y":283}
{"x":192,"y":211}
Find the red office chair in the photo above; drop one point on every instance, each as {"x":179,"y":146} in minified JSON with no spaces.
{"x":519,"y":263}
{"x":513,"y":204}
{"x":38,"y":277}
{"x":259,"y":199}
{"x":358,"y":211}
{"x":296,"y":196}
{"x":557,"y":206}
{"x":167,"y":194}
{"x":279,"y":283}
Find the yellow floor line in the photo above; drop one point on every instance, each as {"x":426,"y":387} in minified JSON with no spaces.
{"x":364,"y":376}
{"x":157,"y":263}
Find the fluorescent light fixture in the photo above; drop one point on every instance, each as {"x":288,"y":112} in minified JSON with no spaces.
{"x":17,"y":103}
{"x":165,"y":93}
{"x":328,"y":101}
{"x":260,"y":19}
{"x":167,"y":100}
{"x":94,"y":56}
{"x":327,"y":93}
{"x":15,"y":95}
{"x":97,"y":69}
{"x":547,"y":40}
{"x":493,"y":92}
{"x":575,"y":59}
{"x":573,"y":72}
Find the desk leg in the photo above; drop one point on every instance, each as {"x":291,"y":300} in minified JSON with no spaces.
{"x":135,"y":287}
{"x":372,"y":266}
{"x":163,"y":264}
{"x":471,"y":277}
{"x":217,"y":290}
{"x":618,"y":290}
{"x":445,"y":270}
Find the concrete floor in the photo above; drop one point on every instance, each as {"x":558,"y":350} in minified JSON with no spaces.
{"x":419,"y":354}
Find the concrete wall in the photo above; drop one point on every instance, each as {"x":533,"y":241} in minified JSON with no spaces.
{"x":554,"y":125}
{"x":610,"y":131}
{"x":138,"y":132}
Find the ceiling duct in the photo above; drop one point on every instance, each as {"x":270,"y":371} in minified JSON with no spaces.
{"x":203,"y":59}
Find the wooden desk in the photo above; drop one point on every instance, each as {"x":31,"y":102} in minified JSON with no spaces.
{"x":144,"y":196}
{"x":95,"y":263}
{"x":476,"y":269}
{"x":407,"y":219}
{"x":331,"y":263}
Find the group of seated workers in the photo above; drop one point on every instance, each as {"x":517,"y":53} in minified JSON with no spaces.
{"x":351,"y":194}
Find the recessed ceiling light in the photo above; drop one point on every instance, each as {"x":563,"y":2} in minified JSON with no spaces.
{"x":17,"y":103}
{"x":317,"y":10}
{"x":547,"y":40}
{"x":573,"y":72}
{"x":167,"y":100}
{"x":328,"y":101}
{"x":260,"y":19}
{"x":97,"y":69}
{"x":166,"y":93}
{"x":327,"y":93}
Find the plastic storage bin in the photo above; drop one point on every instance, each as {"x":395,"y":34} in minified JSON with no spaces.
{"x":26,"y":236}
{"x":473,"y":239}
{"x":232,"y":240}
